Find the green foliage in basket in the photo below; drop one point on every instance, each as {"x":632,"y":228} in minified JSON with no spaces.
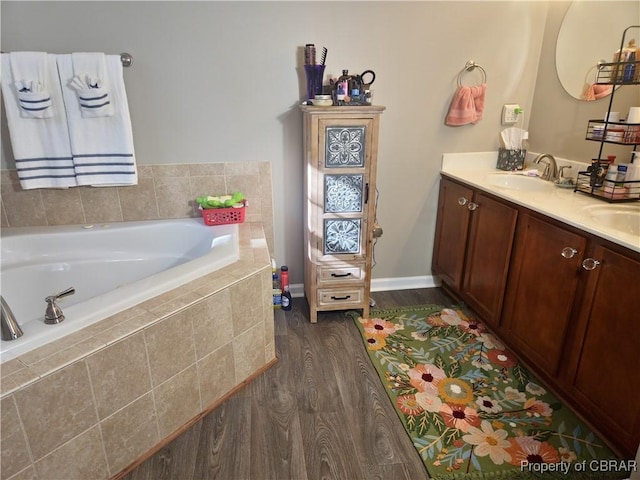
{"x":221,"y":201}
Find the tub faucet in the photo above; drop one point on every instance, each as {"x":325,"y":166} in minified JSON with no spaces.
{"x":10,"y":328}
{"x":551,"y":167}
{"x":54,"y":313}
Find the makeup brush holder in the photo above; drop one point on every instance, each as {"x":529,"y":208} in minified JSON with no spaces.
{"x":315,"y":76}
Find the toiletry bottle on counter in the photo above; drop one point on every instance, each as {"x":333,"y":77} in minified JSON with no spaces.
{"x":284,"y":283}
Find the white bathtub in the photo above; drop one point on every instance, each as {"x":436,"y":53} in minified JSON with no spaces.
{"x":111,"y":266}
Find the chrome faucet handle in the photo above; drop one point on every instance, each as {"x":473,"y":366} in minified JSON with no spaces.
{"x":62,"y":294}
{"x":53,"y":313}
{"x":561,"y":171}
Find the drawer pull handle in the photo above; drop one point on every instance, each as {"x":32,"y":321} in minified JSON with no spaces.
{"x":341,"y":274}
{"x":462,"y":201}
{"x":568,"y":252}
{"x":346,"y":297}
{"x":590,"y":264}
{"x":472,"y":206}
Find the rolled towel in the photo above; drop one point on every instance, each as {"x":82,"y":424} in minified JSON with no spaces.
{"x":91,"y":85}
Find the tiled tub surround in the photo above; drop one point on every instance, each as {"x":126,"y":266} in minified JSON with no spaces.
{"x":99,"y":399}
{"x":163,"y":191}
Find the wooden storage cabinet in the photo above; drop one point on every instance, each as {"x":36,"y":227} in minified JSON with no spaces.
{"x":474,"y":235}
{"x":340,"y":147}
{"x":570,"y":304}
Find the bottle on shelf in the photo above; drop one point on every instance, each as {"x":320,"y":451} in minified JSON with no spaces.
{"x":342,"y":87}
{"x":284,"y":287}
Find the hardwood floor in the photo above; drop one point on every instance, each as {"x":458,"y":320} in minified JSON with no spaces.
{"x":319,"y":413}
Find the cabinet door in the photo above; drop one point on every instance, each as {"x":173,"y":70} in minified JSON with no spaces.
{"x":606,"y":374}
{"x":491,"y":234}
{"x":452,"y":228}
{"x":542,"y":285}
{"x":343,"y":191}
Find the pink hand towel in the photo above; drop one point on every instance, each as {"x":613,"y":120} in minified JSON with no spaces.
{"x":467,"y":105}
{"x":595,"y":92}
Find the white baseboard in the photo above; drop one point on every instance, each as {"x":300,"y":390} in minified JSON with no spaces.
{"x":386,"y":284}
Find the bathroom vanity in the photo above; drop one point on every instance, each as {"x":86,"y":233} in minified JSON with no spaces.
{"x":554,"y":281}
{"x":341,"y":147}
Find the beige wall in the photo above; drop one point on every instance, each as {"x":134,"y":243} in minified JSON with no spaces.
{"x":220,"y":82}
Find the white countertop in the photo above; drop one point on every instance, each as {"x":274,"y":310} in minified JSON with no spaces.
{"x":561,"y":204}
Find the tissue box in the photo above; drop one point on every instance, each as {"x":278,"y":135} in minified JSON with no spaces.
{"x":510,"y":160}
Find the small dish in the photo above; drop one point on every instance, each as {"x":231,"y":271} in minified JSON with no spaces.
{"x":568,"y":184}
{"x":322,"y":101}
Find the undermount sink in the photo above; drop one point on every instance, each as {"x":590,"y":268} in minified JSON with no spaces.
{"x":518,"y":182}
{"x":624,"y":218}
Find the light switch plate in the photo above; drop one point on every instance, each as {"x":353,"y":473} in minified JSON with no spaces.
{"x":510,"y":113}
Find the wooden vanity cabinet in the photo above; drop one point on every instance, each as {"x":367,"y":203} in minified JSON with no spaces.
{"x":341,"y":149}
{"x":602,"y":369}
{"x":570,"y":307}
{"x":543,"y":281}
{"x":474,"y":235}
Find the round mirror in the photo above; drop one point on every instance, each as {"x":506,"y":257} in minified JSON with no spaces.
{"x":590,"y":33}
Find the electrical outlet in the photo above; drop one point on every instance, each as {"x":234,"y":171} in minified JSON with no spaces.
{"x":510,"y":113}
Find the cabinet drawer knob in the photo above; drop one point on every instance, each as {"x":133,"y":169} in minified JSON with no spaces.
{"x":569,"y":252}
{"x":590,"y":263}
{"x":339,"y":275}
{"x":346,"y":297}
{"x":472,"y":206}
{"x":462,"y":201}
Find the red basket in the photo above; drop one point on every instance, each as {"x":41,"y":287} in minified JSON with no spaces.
{"x":224,"y":216}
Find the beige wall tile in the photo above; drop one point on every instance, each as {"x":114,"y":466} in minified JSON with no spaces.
{"x":173,"y":195}
{"x":138,"y":202}
{"x":15,"y":451}
{"x":241,"y":168}
{"x":212,"y":323}
{"x":206,"y":169}
{"x":245,"y":314}
{"x":208,"y":185}
{"x":177,"y":400}
{"x":56,"y":408}
{"x":79,"y":459}
{"x":249,"y":352}
{"x":170,"y":170}
{"x":63,"y":207}
{"x":216,"y":373}
{"x":130,"y":433}
{"x":119,"y":374}
{"x":101,"y":205}
{"x":28,"y":473}
{"x":173,"y":334}
{"x":24,"y":208}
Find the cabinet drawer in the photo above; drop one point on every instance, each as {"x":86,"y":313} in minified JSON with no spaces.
{"x":340,"y":296}
{"x":341,"y":273}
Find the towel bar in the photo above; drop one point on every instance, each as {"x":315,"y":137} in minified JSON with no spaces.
{"x":125,"y":58}
{"x":470,"y":66}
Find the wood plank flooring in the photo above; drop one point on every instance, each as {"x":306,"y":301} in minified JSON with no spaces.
{"x":319,"y":413}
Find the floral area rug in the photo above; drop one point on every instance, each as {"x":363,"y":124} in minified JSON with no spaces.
{"x":470,"y":408}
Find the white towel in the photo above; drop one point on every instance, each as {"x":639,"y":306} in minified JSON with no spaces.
{"x":40,"y":144}
{"x":91,"y":84}
{"x":102,"y":147}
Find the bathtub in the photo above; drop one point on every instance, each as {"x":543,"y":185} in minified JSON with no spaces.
{"x":111,"y":266}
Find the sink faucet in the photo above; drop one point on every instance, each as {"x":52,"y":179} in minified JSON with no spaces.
{"x":550,"y":168}
{"x":10,"y":328}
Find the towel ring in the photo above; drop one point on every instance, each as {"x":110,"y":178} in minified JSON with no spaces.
{"x":470,"y":66}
